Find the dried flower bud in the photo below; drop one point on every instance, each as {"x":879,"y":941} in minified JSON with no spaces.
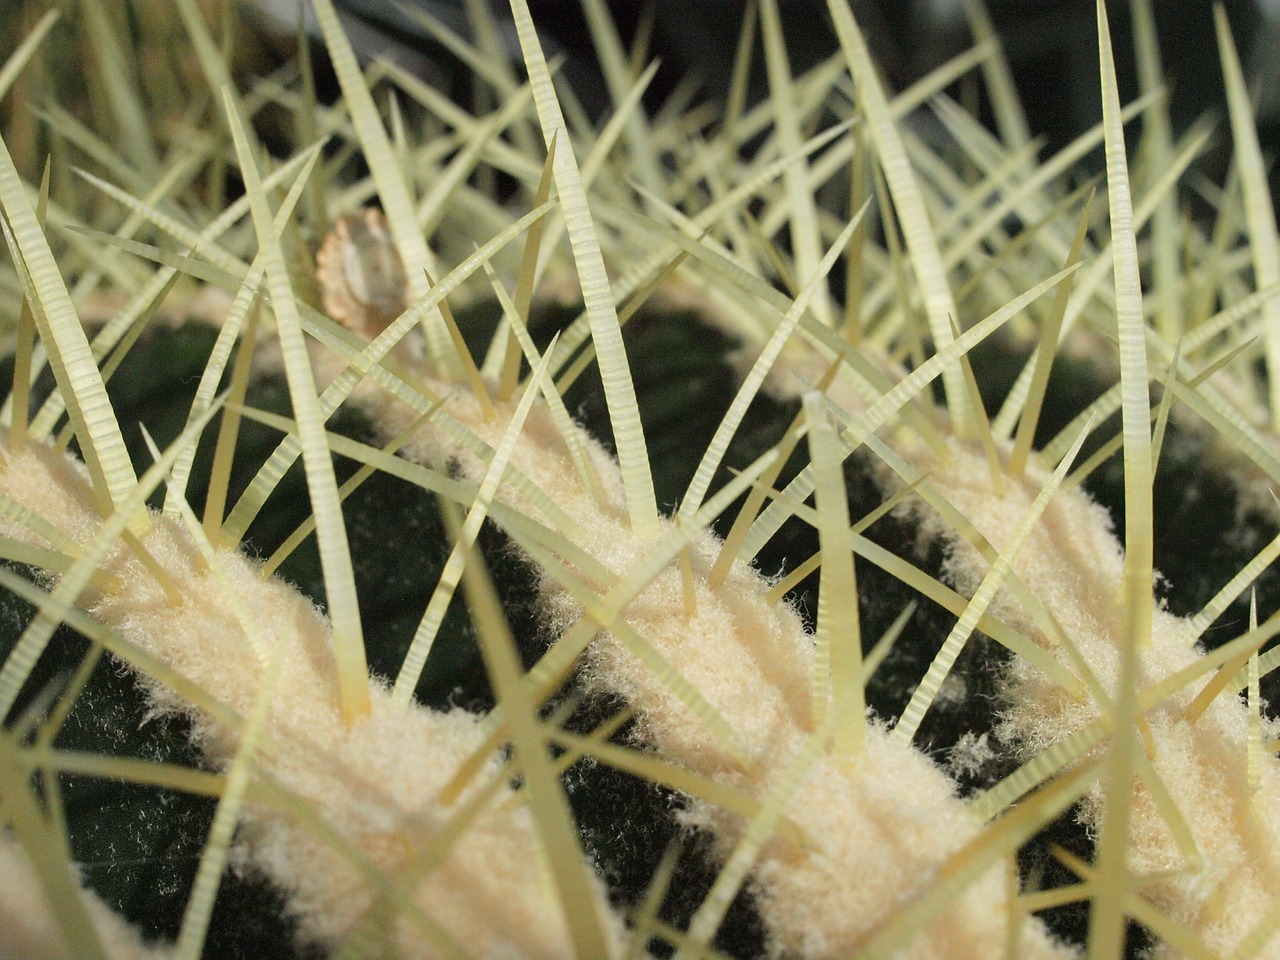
{"x":362,"y":280}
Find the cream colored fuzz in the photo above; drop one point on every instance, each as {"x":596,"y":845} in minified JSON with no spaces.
{"x":374,"y":784}
{"x":29,"y":928}
{"x":1072,"y":563}
{"x":881,"y":829}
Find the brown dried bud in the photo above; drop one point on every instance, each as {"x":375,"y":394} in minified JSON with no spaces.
{"x":361,"y":276}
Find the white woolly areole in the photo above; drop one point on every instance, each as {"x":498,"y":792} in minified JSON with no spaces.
{"x":1072,"y":563}
{"x":881,"y":829}
{"x":374,"y":784}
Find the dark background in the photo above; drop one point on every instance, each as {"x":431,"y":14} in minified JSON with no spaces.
{"x":1051,"y":45}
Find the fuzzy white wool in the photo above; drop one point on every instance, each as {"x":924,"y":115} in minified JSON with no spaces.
{"x":374,"y":783}
{"x":882,"y":829}
{"x":970,"y":754}
{"x":1072,"y":563}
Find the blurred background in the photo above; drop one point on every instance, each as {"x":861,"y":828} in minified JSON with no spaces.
{"x":1051,"y":45}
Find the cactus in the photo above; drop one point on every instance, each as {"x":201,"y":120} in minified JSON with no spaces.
{"x":773,"y":536}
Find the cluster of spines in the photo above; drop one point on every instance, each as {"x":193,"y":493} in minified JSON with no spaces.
{"x":119,"y":494}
